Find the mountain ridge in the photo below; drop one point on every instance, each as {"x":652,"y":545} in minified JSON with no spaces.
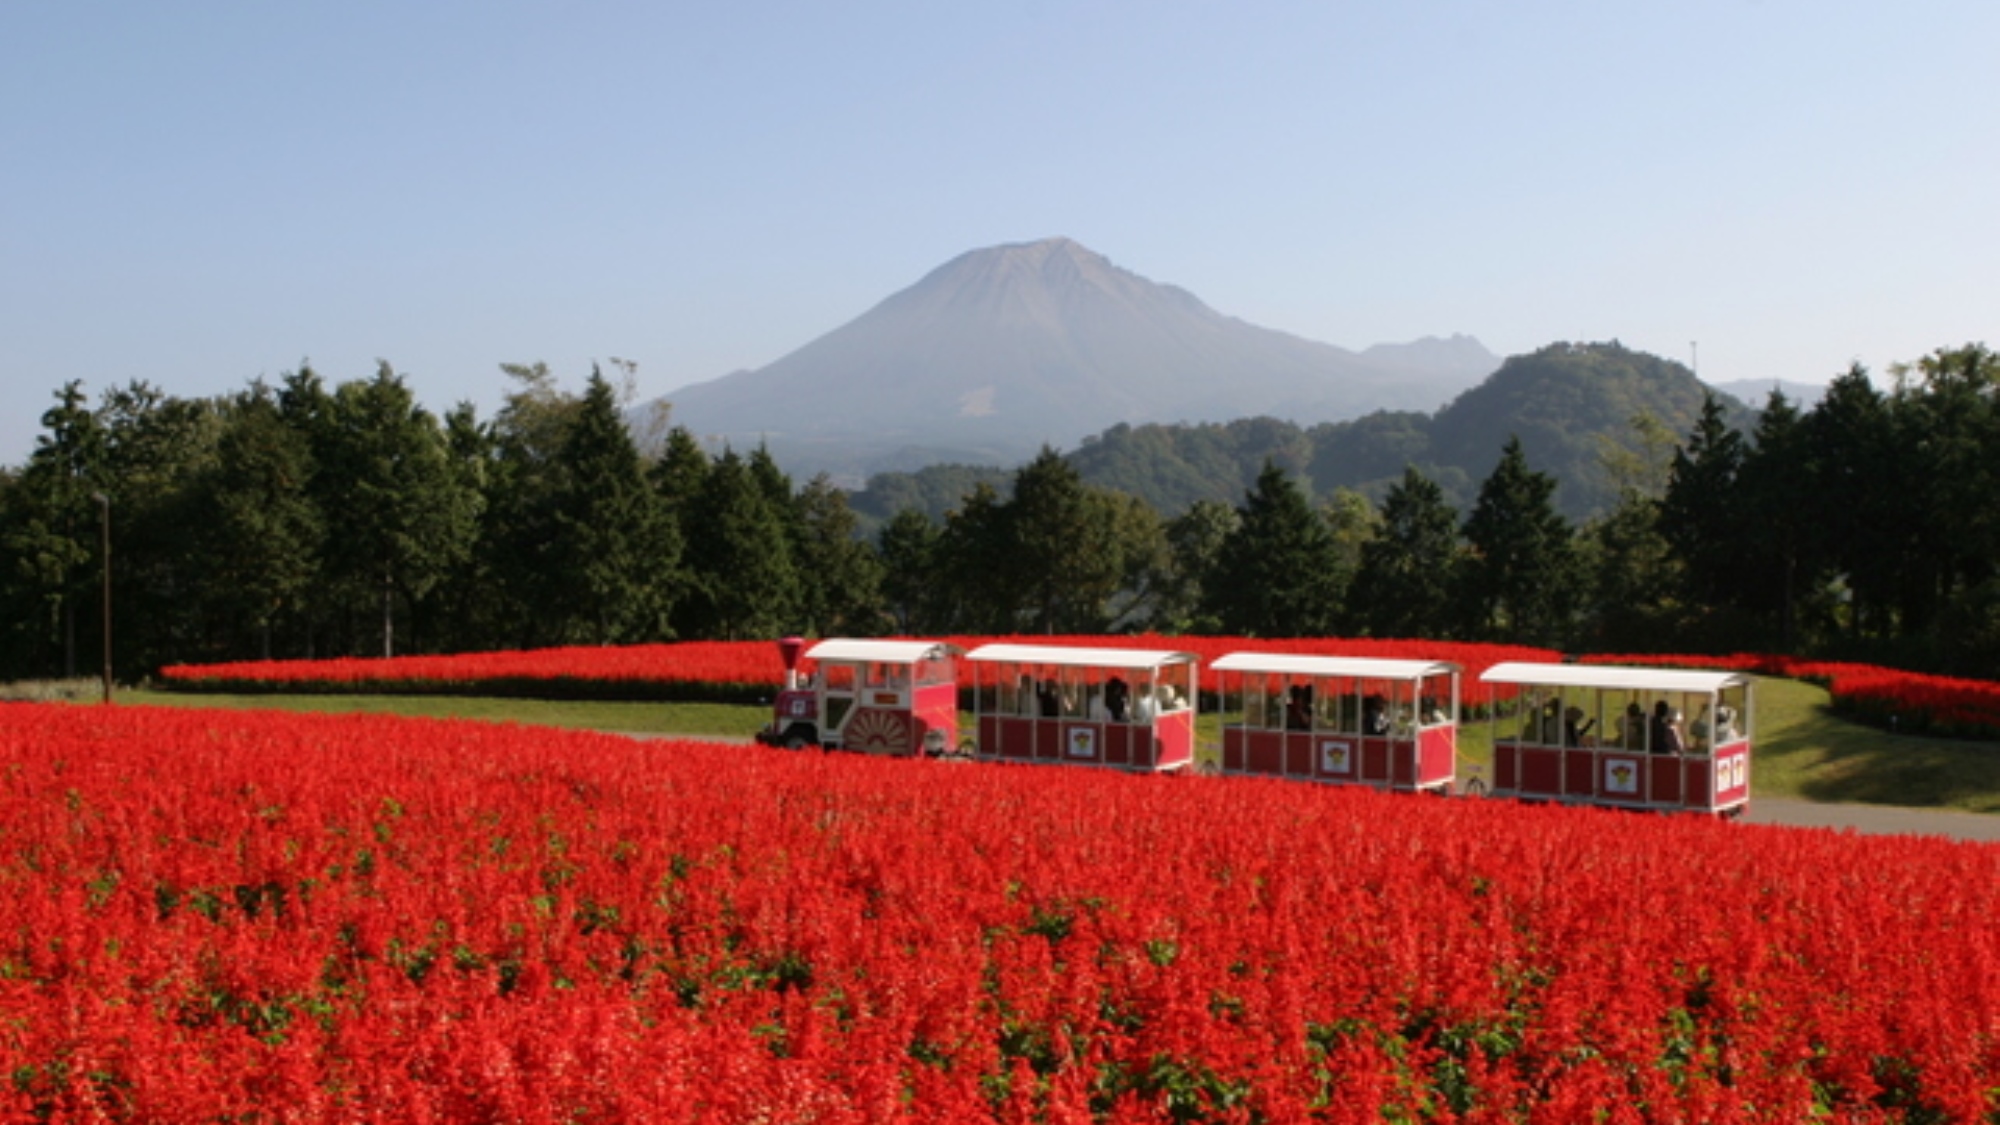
{"x":1001,"y":350}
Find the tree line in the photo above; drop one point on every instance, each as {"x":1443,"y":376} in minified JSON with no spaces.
{"x":304,"y":519}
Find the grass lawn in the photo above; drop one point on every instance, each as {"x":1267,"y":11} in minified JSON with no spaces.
{"x":1803,"y":750}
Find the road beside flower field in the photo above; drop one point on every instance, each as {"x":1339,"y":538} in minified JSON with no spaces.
{"x":1873,"y":820}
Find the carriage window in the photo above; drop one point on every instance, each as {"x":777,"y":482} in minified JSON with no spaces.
{"x":1621,"y":722}
{"x":934,"y":671}
{"x":1718,"y":721}
{"x":1434,"y":702}
{"x":1074,"y":688}
{"x":1541,"y":717}
{"x":1255,"y":711}
{"x":838,"y":677}
{"x":1733,"y":724}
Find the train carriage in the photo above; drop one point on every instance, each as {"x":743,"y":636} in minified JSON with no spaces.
{"x":1651,"y":738}
{"x":1130,"y":709}
{"x":1391,"y":724}
{"x":894,"y":698}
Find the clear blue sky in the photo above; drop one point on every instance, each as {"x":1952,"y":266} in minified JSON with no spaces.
{"x":198,"y":193}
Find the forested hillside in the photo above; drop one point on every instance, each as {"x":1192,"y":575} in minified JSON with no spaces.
{"x":1581,"y":411}
{"x":310,"y":519}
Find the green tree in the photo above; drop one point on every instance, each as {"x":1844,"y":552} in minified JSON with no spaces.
{"x":1780,"y":546}
{"x":975,"y":591}
{"x":1948,"y":408}
{"x":52,"y":531}
{"x":1194,"y":542}
{"x":1518,"y":582}
{"x":840,"y":578}
{"x":1702,"y":519}
{"x":266,"y":533}
{"x":1632,"y":577}
{"x":1859,"y":487}
{"x":1275,"y":574}
{"x":908,"y":548}
{"x":1064,"y":558}
{"x":157,"y":448}
{"x":1404,"y":582}
{"x":743,"y":581}
{"x":613,"y":541}
{"x":401,"y":516}
{"x":1354,"y":522}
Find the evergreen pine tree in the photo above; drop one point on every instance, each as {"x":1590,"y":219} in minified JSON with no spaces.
{"x":1404,"y":583}
{"x":1275,"y":573}
{"x":739,"y":554}
{"x":613,"y":542}
{"x":1518,"y":583}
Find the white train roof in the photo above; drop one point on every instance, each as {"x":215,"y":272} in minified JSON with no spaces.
{"x":1129,"y":658}
{"x":1613,"y":676}
{"x":1358,"y":666}
{"x":885,"y":652}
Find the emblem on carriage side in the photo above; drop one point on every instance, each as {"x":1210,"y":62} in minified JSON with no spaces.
{"x":1082,"y":742}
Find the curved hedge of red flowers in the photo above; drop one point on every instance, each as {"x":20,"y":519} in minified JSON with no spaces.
{"x":688,"y":670}
{"x":236,"y":915}
{"x":1907,"y":701}
{"x":728,"y":669}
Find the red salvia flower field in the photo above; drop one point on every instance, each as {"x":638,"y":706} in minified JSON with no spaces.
{"x":245,"y":916}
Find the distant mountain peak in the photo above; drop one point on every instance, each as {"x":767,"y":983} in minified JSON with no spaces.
{"x":1003,"y":349}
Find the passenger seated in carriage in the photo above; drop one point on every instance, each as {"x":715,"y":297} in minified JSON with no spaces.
{"x":1632,"y":727}
{"x":1298,"y":708}
{"x":1117,"y":699}
{"x":1576,"y":730}
{"x":1050,"y":701}
{"x":1374,"y":715}
{"x":1666,"y":730}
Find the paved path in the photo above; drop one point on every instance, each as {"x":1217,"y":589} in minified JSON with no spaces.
{"x":1874,"y":820}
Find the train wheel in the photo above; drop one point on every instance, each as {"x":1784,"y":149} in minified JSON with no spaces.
{"x":798,"y":738}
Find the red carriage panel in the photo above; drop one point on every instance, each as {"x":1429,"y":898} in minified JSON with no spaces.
{"x":1667,"y":774}
{"x":1046,"y":736}
{"x":1266,"y":752}
{"x":1506,"y":768}
{"x":1403,"y":763}
{"x":1298,"y":754}
{"x":1375,"y":761}
{"x":1579,"y":773}
{"x":1118,"y":741}
{"x":1437,"y":755}
{"x":1541,"y":772}
{"x":1235,"y":750}
{"x":1172,"y":741}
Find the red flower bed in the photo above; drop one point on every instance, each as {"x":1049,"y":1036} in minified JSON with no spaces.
{"x":738,"y":669}
{"x":208,"y":915}
{"x":1908,"y":701}
{"x":694,"y":668}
